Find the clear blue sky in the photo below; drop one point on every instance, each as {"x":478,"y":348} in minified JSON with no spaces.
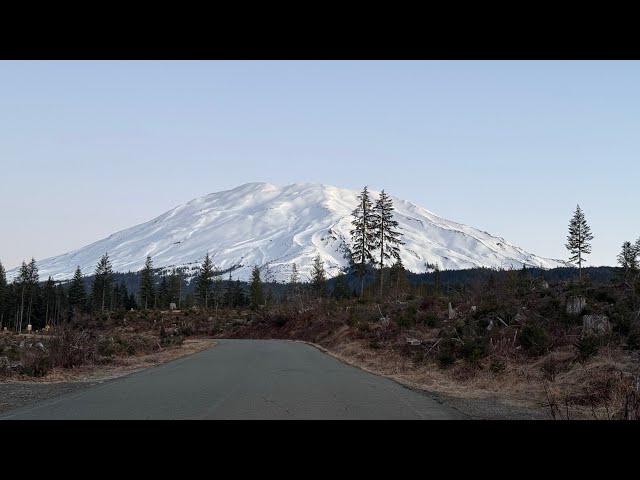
{"x":89,"y":148}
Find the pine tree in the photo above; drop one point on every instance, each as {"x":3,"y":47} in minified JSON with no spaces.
{"x":147,"y":285}
{"x":398,"y":274}
{"x":121,"y":296}
{"x":239,"y":299}
{"x":204,"y":281}
{"x":295,"y":275}
{"x":61,"y":304}
{"x":234,"y":294}
{"x":3,"y":294}
{"x":216,"y":287}
{"x":163,"y":293}
{"x":22,"y":282}
{"x":77,"y":292}
{"x":49,"y":294}
{"x":387,"y":237}
{"x":318,"y":276}
{"x":103,"y":277}
{"x":293,"y":290}
{"x":340,"y":288}
{"x":363,"y":236}
{"x":437,"y":281}
{"x":578,"y":239}
{"x":256,"y":296}
{"x":227,"y":298}
{"x":27,"y":281}
{"x":174,"y":287}
{"x":628,"y":258}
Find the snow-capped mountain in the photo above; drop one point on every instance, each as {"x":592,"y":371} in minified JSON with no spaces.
{"x":263,"y":224}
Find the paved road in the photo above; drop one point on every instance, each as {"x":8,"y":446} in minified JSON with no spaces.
{"x":244,"y":379}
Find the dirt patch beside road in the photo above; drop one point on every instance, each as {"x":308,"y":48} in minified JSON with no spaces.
{"x":18,"y":391}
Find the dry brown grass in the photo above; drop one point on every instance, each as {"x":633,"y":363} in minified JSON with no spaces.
{"x":120,"y":366}
{"x":596,"y":389}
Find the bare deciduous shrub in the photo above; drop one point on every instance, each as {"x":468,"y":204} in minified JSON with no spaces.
{"x":71,"y":348}
{"x":35,"y":362}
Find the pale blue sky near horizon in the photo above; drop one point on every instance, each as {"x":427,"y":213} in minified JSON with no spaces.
{"x":88,"y":148}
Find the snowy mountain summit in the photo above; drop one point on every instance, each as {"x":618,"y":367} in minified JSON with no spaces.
{"x":273,"y":227}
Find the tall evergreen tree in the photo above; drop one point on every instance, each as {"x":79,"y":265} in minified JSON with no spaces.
{"x":216,"y":286}
{"x":49,"y":294}
{"x":27,"y":281}
{"x":147,"y":284}
{"x":388,"y":239}
{"x":293,"y":289}
{"x":4,"y":294}
{"x":22,"y":282}
{"x":227,"y":298}
{"x":437,"y":280}
{"x":61,"y":305}
{"x":340,"y":288}
{"x":363,"y":236}
{"x":239,"y":299}
{"x":163,"y":293}
{"x":204,"y":281}
{"x":174,"y":287}
{"x":77,"y":293}
{"x":398,"y":275}
{"x":628,"y":258}
{"x":103,"y":278}
{"x":295,"y":275}
{"x":121,"y":295}
{"x":318,"y":276}
{"x":578,"y":239}
{"x":33,"y":283}
{"x":256,"y":296}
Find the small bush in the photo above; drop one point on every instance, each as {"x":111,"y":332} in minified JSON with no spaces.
{"x":279,"y":321}
{"x":375,"y":344}
{"x":633,"y":337}
{"x":497,"y":365}
{"x":588,"y":346}
{"x":431,"y":321}
{"x":425,"y":304}
{"x":403,"y":320}
{"x":622,"y":323}
{"x":474,"y":349}
{"x":604,"y":296}
{"x":418,"y":358}
{"x":36,"y":363}
{"x":186,"y":329}
{"x":363,"y":326}
{"x":106,"y":347}
{"x":446,"y":353}
{"x":534,"y":339}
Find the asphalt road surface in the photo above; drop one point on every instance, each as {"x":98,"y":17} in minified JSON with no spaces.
{"x":243,"y":379}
